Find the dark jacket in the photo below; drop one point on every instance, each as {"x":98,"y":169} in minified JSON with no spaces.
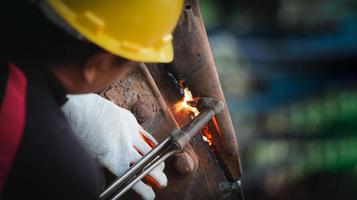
{"x":50,"y":163}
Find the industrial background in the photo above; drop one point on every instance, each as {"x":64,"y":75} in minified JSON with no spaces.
{"x":288,"y":72}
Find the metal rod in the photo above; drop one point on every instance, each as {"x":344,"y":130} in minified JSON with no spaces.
{"x":165,"y":109}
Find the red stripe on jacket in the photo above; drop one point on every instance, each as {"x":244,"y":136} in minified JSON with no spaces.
{"x":12,"y":120}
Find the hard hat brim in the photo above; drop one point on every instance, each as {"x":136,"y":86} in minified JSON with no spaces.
{"x":89,"y":28}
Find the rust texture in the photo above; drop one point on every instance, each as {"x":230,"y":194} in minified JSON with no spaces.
{"x":156,"y":92}
{"x":185,"y":164}
{"x":194,"y":61}
{"x":136,"y":93}
{"x":128,"y":91}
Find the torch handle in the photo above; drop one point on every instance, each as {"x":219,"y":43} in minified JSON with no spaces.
{"x":144,"y":173}
{"x":118,"y":183}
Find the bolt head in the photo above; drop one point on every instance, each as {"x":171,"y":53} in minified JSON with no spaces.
{"x":184,"y":164}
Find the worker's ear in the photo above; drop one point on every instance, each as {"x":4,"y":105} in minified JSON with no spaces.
{"x":103,"y":68}
{"x":95,"y":65}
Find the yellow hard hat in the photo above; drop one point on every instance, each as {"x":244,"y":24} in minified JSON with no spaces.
{"x":138,"y":30}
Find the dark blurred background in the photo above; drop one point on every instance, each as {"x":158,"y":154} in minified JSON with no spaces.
{"x":288,"y":70}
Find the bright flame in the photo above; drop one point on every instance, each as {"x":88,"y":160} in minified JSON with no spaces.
{"x":205,"y":138}
{"x":184,"y":105}
{"x":207,"y":135}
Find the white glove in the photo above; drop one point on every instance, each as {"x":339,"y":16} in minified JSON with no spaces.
{"x":113,"y":136}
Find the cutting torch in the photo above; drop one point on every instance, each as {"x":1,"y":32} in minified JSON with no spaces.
{"x":177,"y":140}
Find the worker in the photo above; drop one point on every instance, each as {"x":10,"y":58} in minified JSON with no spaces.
{"x":51,"y":48}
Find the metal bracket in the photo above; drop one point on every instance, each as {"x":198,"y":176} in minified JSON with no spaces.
{"x":227,"y":188}
{"x":226,"y":185}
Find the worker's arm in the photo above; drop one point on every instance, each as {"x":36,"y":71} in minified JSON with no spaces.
{"x":113,"y":136}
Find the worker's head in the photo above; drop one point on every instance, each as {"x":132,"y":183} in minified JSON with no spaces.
{"x":90,"y":42}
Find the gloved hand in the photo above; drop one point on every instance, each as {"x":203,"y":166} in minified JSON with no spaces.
{"x":113,"y":136}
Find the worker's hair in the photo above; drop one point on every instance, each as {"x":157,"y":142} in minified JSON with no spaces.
{"x":26,"y":34}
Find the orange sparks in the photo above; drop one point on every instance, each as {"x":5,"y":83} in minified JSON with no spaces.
{"x":214,"y":120}
{"x":184,"y":105}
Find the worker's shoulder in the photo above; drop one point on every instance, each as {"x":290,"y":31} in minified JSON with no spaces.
{"x":42,"y":110}
{"x":49,"y":156}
